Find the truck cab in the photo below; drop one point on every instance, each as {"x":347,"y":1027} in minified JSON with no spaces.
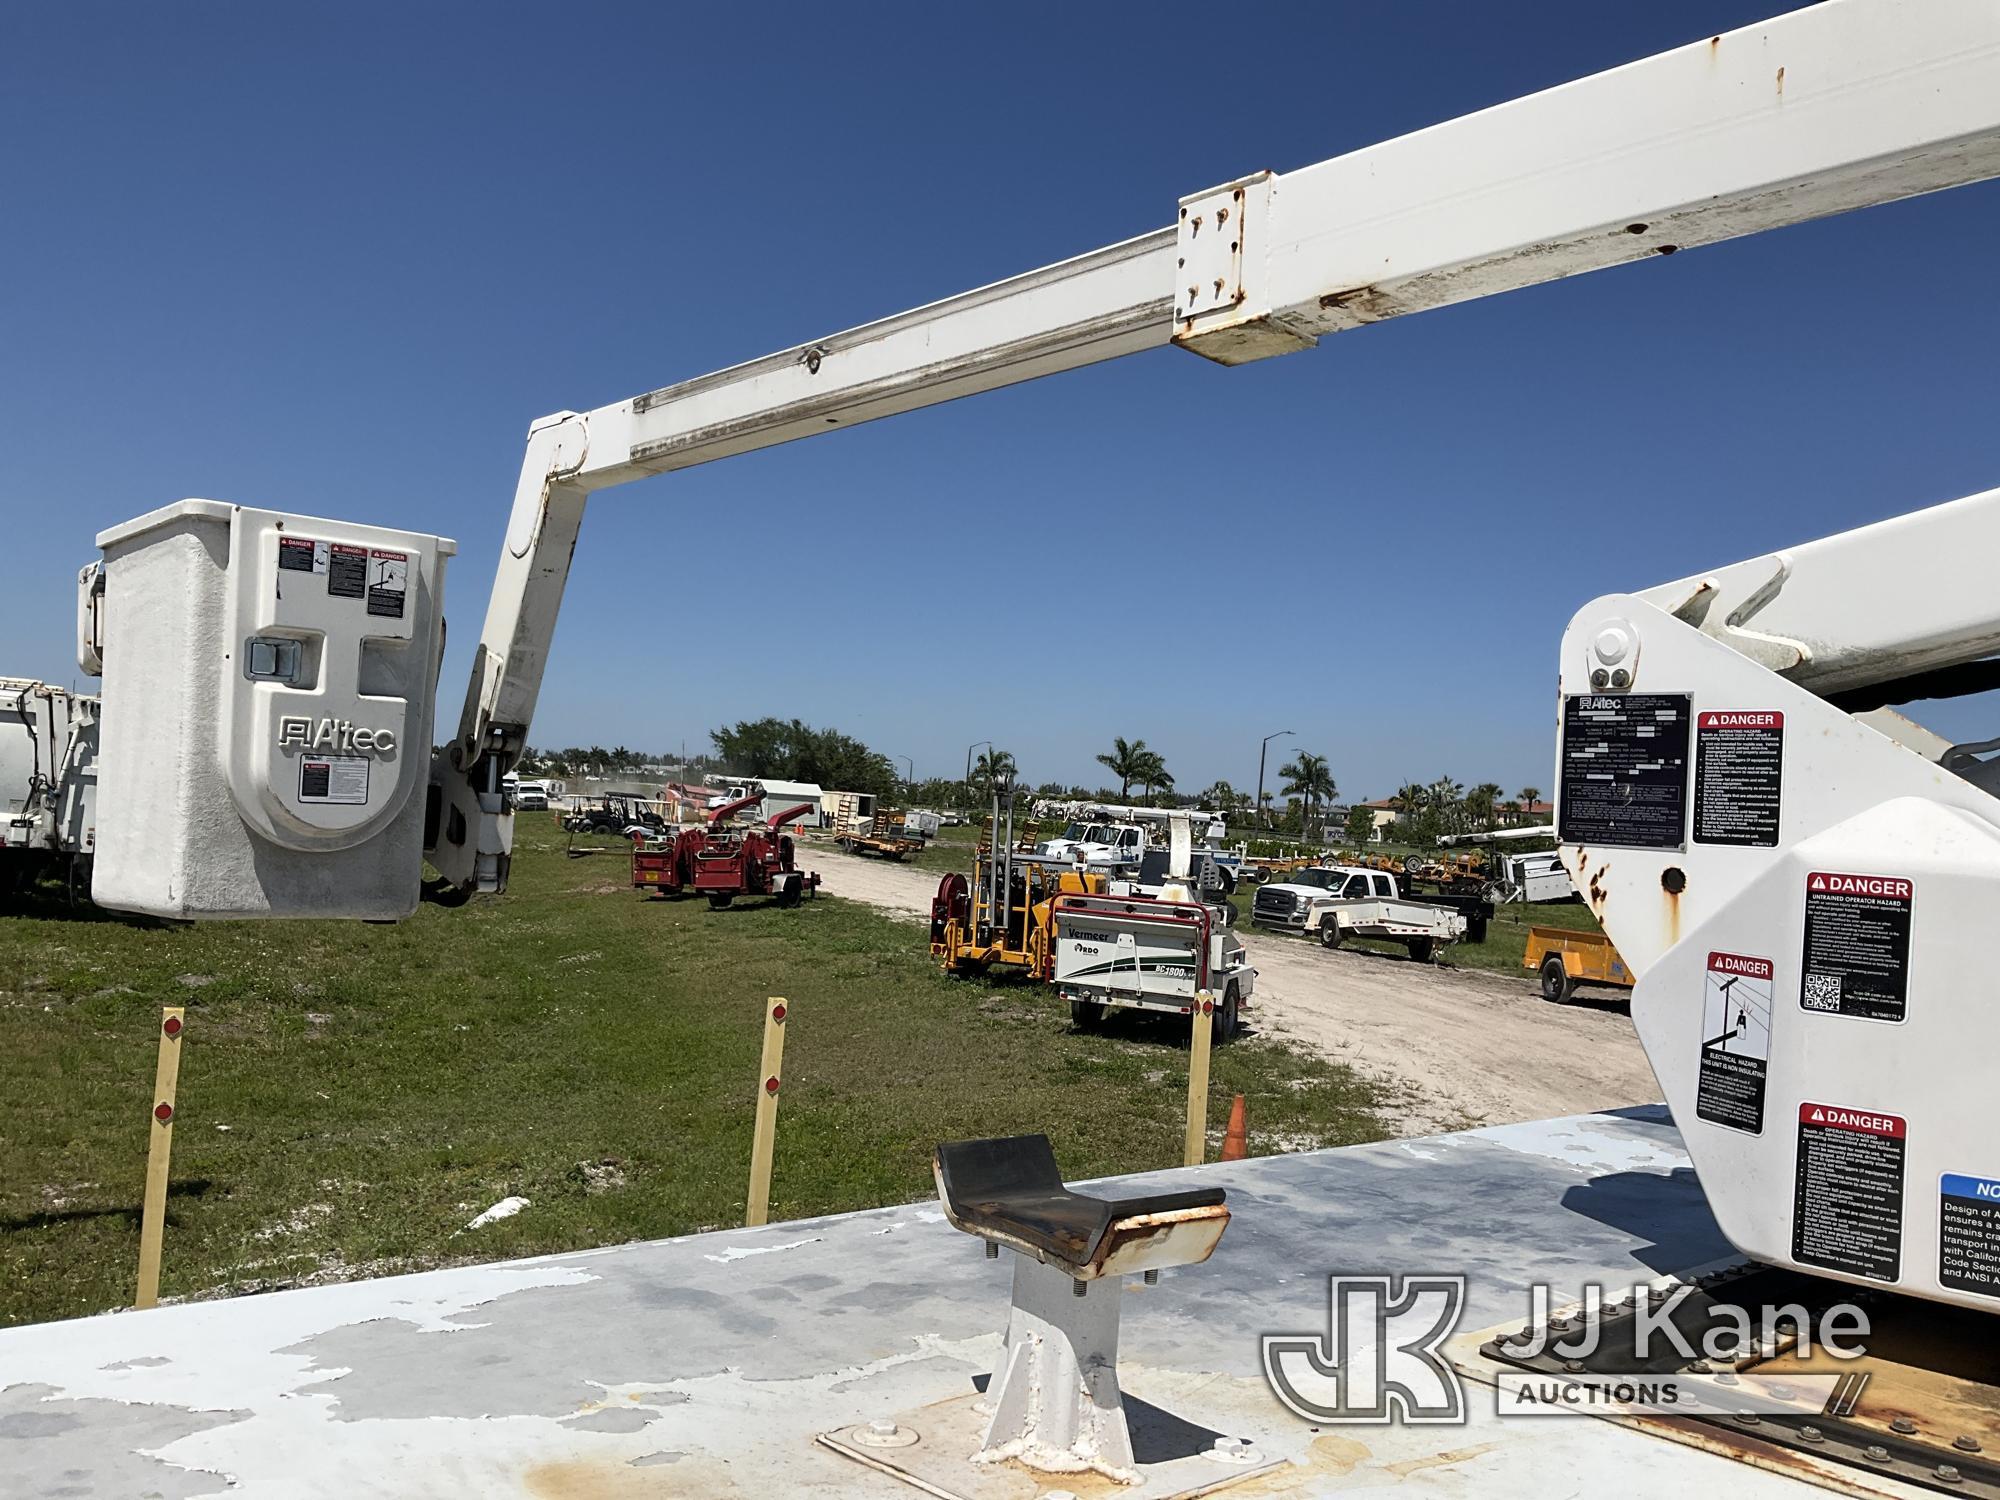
{"x":1106,"y":848}
{"x":1302,"y":900}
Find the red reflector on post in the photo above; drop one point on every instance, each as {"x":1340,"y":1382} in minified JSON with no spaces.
{"x":171,"y":1026}
{"x":777,"y":1012}
{"x":163,"y":1112}
{"x":770,"y":1085}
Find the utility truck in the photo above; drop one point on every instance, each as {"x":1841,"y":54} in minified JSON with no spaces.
{"x":1338,"y":902}
{"x":1789,"y":864}
{"x":48,"y":781}
{"x":1113,"y":840}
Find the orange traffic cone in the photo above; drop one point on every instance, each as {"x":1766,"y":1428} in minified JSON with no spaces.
{"x":1235,"y":1140}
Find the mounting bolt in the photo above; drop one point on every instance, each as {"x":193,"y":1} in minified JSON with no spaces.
{"x":1966,"y":1444}
{"x":1949,"y":1473}
{"x":1812,"y":1434}
{"x":1875,"y":1453}
{"x":1572,"y":1367}
{"x":1748,"y":1418}
{"x":1699,"y":1367}
{"x":1903,"y":1425}
{"x":1600,"y":678}
{"x":1621,"y":678}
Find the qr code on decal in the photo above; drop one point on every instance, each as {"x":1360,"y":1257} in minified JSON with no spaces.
{"x":1822,"y":992}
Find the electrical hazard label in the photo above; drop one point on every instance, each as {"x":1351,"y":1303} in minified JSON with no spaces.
{"x":1857,"y":945}
{"x":1969,"y":1234}
{"x":1736,"y":1041}
{"x":1623,"y":778}
{"x":1739,"y":767}
{"x":1847,"y":1195}
{"x":300,"y":554}
{"x":338,"y":779}
{"x":388,"y":582}
{"x":347,"y":571}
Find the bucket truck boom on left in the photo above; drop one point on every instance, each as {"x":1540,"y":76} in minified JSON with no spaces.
{"x":1835,"y":107}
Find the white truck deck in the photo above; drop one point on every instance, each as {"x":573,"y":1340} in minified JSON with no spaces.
{"x":707,"y":1366}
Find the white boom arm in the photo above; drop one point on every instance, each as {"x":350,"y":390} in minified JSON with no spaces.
{"x":1835,"y":107}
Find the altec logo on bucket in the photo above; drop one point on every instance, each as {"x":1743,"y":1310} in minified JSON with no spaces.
{"x":296,"y":732}
{"x":1859,"y":885}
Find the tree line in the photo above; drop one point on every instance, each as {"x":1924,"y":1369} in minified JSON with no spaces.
{"x":792,"y":750}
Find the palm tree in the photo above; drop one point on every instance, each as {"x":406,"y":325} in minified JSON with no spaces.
{"x":1445,"y":798}
{"x":1529,"y":796}
{"x":1152,"y":774}
{"x":1220,"y":797}
{"x":992,"y":767}
{"x":1309,"y":778}
{"x":1127,"y":760}
{"x":1482,"y":801}
{"x":1411,"y":797}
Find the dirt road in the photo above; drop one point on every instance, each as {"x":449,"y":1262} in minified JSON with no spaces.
{"x":1452,"y":1048}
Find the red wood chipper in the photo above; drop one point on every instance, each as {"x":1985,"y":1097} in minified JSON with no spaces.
{"x":724,"y":861}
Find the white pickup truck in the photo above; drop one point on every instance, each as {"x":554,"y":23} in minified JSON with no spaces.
{"x":1338,"y":902}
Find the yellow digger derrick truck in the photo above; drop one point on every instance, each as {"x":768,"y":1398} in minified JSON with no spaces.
{"x":1001,"y":916}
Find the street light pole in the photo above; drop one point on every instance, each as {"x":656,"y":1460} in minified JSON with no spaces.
{"x":1261,"y":749}
{"x":911,"y":778}
{"x":968,"y":756}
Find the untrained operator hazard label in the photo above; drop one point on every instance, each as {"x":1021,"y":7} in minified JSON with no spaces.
{"x":1969,"y":1234}
{"x":1624,"y":776}
{"x":1735,"y":1041}
{"x":1847,"y":1196}
{"x":1739,"y":763}
{"x":1857,"y":945}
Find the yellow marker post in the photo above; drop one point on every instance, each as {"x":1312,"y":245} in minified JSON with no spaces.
{"x":1195,"y":1148}
{"x":765,"y":1140}
{"x":153,"y":1216}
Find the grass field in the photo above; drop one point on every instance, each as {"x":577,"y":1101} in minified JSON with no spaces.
{"x":352,"y":1095}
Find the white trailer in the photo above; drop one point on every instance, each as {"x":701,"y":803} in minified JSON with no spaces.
{"x":1424,"y":929}
{"x":1148,"y":953}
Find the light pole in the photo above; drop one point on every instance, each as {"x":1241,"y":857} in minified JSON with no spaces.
{"x":1261,"y":749}
{"x":968,"y":757}
{"x":910,"y":779}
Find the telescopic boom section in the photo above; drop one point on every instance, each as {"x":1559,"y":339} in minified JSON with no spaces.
{"x":1835,"y":107}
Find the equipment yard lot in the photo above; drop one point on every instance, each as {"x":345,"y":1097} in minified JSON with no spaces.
{"x":1445,"y":1048}
{"x":351,"y":1096}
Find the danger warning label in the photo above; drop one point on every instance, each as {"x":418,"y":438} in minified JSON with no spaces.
{"x":1623,"y":777}
{"x":1857,"y":945}
{"x":1738,"y":776}
{"x":1969,"y":1234}
{"x":388,"y":582}
{"x":301,"y":554}
{"x":1736,"y":1041}
{"x":347,"y":571}
{"x":338,"y":779}
{"x":1847,"y":1195}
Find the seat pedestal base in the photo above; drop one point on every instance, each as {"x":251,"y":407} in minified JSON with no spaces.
{"x":1055,"y":1398}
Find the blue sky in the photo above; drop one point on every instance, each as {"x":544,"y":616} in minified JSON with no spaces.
{"x":336,"y":261}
